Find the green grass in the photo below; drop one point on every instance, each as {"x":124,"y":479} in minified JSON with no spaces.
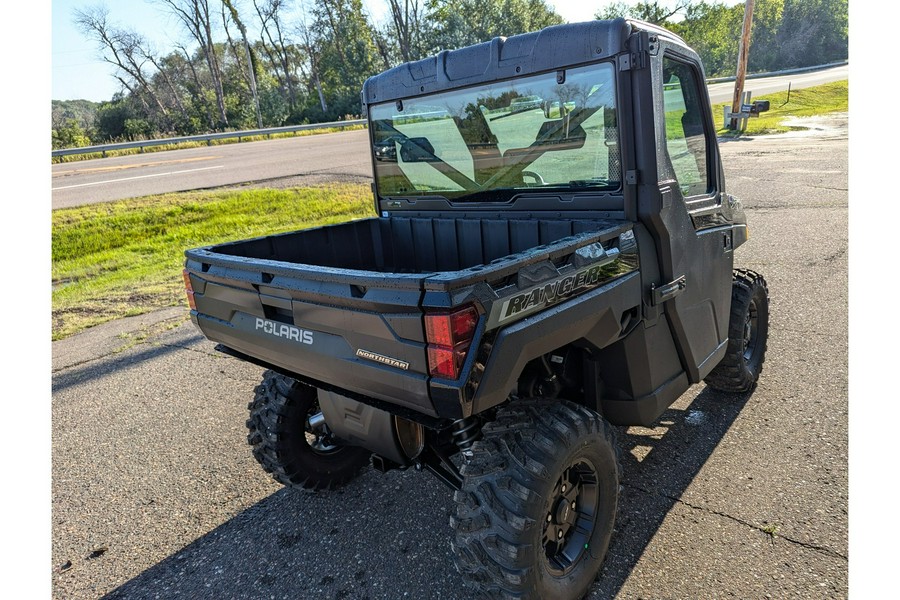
{"x":819,"y":100}
{"x":125,"y":258}
{"x":184,"y":145}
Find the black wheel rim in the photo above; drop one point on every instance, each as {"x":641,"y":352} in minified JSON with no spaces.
{"x":318,"y":436}
{"x":570,"y":518}
{"x":751,"y":330}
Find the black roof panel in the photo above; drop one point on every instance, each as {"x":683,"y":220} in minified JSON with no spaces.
{"x":555,"y":47}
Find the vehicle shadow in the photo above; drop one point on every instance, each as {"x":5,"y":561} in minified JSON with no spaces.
{"x":744,"y":137}
{"x":381,"y":536}
{"x":658,"y":465}
{"x":387,"y":536}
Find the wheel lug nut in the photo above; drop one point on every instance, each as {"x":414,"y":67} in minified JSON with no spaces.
{"x":559,"y":534}
{"x":573,"y":505}
{"x":549,"y":517}
{"x":564,"y":489}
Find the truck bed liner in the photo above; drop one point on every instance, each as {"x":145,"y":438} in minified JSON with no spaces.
{"x":408,"y":245}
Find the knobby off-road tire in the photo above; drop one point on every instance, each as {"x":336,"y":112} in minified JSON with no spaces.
{"x":287,"y":446}
{"x":748,"y":332}
{"x":516,"y":534}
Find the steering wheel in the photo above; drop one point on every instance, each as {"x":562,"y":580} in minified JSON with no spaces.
{"x":538,"y":180}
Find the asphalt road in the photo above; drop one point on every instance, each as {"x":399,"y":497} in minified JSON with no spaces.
{"x":303,"y":160}
{"x":156,"y":495}
{"x":291,"y":161}
{"x":723,"y":92}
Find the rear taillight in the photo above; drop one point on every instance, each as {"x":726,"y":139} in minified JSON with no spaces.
{"x":189,"y":289}
{"x":449,"y":335}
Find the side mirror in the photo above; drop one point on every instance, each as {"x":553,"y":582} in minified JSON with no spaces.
{"x":417,"y":149}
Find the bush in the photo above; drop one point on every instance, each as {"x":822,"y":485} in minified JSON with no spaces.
{"x":70,"y":135}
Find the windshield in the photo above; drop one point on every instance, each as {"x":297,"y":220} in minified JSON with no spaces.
{"x":490,"y":142}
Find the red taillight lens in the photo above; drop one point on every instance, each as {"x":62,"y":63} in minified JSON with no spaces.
{"x":449,"y":336}
{"x":449,"y":329}
{"x":189,"y":289}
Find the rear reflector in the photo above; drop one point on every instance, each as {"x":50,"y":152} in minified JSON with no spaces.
{"x":442,"y":362}
{"x":189,"y":289}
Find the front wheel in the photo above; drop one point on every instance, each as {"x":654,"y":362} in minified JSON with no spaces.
{"x":291,"y":440}
{"x":748,"y":333}
{"x":538,"y":502}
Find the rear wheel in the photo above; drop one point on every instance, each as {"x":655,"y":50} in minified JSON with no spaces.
{"x":291,"y":440}
{"x":748,"y":332}
{"x":538,"y":502}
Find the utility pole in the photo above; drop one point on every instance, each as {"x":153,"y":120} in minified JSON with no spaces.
{"x":743,"y":54}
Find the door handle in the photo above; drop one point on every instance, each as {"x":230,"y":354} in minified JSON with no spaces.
{"x":666,"y":292}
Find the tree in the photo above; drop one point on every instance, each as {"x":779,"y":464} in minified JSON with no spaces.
{"x":713,"y":31}
{"x":195,"y":17}
{"x":767,"y":19}
{"x":82,"y":112}
{"x":812,"y":32}
{"x":346,"y":56}
{"x":407,"y":27}
{"x":269,"y":12}
{"x":126,"y":50}
{"x":458,"y":23}
{"x":655,"y":12}
{"x":251,"y":62}
{"x":313,"y":51}
{"x":69,"y":135}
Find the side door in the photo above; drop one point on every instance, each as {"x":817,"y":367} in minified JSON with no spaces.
{"x":695,"y":241}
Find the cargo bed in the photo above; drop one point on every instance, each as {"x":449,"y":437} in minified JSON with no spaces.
{"x":401,"y":245}
{"x":309,"y":301}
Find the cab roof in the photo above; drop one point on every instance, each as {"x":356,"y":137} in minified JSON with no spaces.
{"x":556,"y":47}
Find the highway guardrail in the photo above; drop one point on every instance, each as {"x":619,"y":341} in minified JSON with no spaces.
{"x":206,"y":137}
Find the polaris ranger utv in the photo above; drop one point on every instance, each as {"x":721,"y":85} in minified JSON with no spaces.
{"x":553,"y":255}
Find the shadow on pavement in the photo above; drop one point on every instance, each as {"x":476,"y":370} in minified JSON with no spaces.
{"x":388,"y":536}
{"x":105,"y":366}
{"x":377,"y":535}
{"x":737,"y":138}
{"x":659,"y":464}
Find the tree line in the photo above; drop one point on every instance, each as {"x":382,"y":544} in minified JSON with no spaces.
{"x":785,"y":34}
{"x":245,"y":64}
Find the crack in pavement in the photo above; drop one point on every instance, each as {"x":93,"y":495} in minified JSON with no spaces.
{"x":180,"y":347}
{"x":828,"y":260}
{"x":129,"y":344}
{"x":129,"y":339}
{"x":826,"y":187}
{"x":815,"y":547}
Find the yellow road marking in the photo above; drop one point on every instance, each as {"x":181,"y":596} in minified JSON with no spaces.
{"x":134,"y":166}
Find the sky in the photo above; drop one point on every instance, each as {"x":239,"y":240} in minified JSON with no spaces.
{"x":78,"y":73}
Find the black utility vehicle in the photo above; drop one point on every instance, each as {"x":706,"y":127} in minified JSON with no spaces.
{"x":553,"y":255}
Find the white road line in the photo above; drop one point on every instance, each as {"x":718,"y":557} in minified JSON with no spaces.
{"x":66,"y":187}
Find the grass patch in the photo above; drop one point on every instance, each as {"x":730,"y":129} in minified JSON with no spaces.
{"x":185,"y":145}
{"x":818,"y":100}
{"x":125,"y":258}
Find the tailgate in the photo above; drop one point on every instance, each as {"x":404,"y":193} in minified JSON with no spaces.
{"x":363,"y":333}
